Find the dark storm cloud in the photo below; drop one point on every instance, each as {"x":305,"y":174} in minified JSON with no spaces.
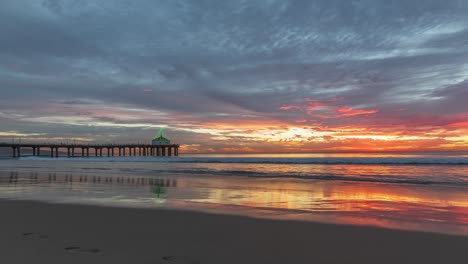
{"x":234,"y":58}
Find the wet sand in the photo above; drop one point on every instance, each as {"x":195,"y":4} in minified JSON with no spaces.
{"x":35,"y":232}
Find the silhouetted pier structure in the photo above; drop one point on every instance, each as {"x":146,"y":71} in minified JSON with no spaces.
{"x":82,"y":150}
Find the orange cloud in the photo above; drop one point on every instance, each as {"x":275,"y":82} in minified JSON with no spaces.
{"x":310,"y":126}
{"x":463,"y":124}
{"x":290,"y":107}
{"x":347,"y":111}
{"x":301,"y":121}
{"x":327,"y":108}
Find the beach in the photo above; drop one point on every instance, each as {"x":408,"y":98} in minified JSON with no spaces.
{"x":374,"y":209}
{"x":34,"y":232}
{"x":430,"y":196}
{"x":220,"y":132}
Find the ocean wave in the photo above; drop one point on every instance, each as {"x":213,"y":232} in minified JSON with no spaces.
{"x":324,"y":161}
{"x":402,"y":179}
{"x":194,"y":172}
{"x":424,"y":175}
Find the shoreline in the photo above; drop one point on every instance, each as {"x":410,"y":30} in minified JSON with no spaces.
{"x":65,"y":233}
{"x":393,"y":206}
{"x":260,"y":213}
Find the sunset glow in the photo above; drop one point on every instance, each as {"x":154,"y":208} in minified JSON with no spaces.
{"x":231,"y":84}
{"x":265,"y":131}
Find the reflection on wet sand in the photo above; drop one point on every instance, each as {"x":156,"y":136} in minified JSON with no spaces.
{"x":68,"y":177}
{"x":82,"y":188}
{"x":395,"y":206}
{"x":438,"y":208}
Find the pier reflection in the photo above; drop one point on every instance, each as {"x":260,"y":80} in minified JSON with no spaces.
{"x":36,"y":178}
{"x":83,"y":188}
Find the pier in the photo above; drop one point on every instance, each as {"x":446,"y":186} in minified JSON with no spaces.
{"x":97,"y":150}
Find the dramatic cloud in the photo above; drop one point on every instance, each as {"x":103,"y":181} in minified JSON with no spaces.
{"x":233,"y":76}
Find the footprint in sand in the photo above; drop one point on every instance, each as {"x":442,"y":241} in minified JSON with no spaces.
{"x":179,"y":260}
{"x":33,"y":235}
{"x":73,"y":249}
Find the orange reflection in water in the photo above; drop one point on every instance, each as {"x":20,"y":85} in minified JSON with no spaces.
{"x":359,"y":198}
{"x":429,"y":208}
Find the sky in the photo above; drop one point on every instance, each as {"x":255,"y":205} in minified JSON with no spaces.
{"x":237,"y":76}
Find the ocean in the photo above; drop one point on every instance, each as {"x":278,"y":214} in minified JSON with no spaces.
{"x":420,"y":191}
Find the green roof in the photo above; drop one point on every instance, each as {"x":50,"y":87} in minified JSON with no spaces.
{"x":161,"y":137}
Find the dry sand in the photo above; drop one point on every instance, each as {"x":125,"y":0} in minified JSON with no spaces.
{"x":56,"y":233}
